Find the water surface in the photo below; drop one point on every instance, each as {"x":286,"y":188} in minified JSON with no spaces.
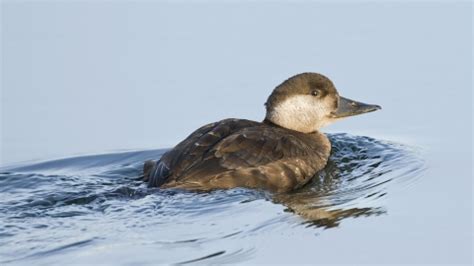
{"x":92,"y":208}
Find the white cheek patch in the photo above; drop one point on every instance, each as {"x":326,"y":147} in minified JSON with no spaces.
{"x":303,"y":113}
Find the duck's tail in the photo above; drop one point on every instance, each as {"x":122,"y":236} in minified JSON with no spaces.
{"x":155,"y":173}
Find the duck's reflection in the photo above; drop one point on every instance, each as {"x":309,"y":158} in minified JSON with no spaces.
{"x":317,"y":203}
{"x":356,"y":177}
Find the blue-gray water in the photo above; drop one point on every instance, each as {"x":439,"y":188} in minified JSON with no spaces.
{"x":125,"y":78}
{"x":91,"y":209}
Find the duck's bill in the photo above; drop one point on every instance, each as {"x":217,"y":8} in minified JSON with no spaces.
{"x":348,"y":107}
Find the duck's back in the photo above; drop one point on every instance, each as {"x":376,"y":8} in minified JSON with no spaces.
{"x":241,"y":153}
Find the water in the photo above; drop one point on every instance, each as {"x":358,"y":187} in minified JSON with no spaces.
{"x":92,"y":209}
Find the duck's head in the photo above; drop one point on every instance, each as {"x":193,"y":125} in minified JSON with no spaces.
{"x":306,"y":102}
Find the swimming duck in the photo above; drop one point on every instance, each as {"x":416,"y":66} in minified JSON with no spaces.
{"x":280,"y":154}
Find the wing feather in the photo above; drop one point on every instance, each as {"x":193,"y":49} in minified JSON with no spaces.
{"x":243,"y":153}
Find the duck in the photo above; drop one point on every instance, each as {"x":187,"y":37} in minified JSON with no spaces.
{"x":279,"y":154}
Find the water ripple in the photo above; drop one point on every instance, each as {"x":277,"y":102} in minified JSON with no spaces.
{"x":84,"y":204}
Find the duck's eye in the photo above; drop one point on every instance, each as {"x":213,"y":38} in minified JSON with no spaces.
{"x":315,"y":93}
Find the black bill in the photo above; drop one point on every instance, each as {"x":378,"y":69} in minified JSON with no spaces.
{"x":348,"y":107}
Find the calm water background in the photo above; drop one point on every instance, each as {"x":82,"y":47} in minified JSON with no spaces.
{"x":95,"y":77}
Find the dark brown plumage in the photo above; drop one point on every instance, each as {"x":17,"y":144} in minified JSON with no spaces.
{"x":281,"y":154}
{"x":242,"y":153}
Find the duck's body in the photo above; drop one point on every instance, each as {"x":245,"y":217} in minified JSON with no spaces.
{"x":242,"y":153}
{"x":280,"y":154}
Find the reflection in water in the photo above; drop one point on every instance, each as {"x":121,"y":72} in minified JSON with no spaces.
{"x":92,"y":207}
{"x":358,"y":174}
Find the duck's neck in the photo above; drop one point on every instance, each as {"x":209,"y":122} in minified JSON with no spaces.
{"x":274,"y":124}
{"x":302,"y":122}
